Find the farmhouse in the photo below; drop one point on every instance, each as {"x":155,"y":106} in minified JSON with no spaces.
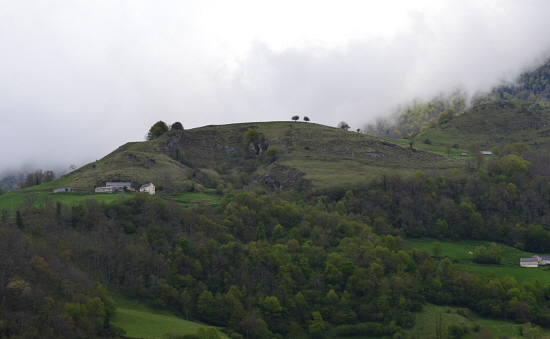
{"x":529,"y":262}
{"x":119,"y":185}
{"x":114,"y":186}
{"x":148,"y":188}
{"x":64,"y":189}
{"x":544,"y":260}
{"x":105,"y":190}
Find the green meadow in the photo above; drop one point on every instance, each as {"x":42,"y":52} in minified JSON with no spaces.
{"x":476,"y":326}
{"x":11,"y":200}
{"x":141,"y":322}
{"x":461,"y":254}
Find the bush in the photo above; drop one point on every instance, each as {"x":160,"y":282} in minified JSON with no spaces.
{"x":465,"y":312}
{"x":427,"y":141}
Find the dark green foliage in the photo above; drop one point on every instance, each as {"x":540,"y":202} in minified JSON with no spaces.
{"x":324,"y":262}
{"x":493,"y":255}
{"x":343,"y":125}
{"x":158,"y":129}
{"x":295,"y":118}
{"x":177,"y":126}
{"x":37,"y":178}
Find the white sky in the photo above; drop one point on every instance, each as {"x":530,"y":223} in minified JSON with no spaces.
{"x":80,"y":78}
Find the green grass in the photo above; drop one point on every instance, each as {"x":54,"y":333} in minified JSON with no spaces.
{"x":425,"y":325}
{"x":207,"y":196}
{"x":308,"y":154}
{"x":141,"y":322}
{"x":460,"y":252}
{"x":11,"y":200}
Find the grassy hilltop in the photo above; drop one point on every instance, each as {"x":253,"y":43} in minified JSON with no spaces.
{"x":286,"y":155}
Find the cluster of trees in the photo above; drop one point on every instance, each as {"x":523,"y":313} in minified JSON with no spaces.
{"x":322,"y":262}
{"x":37,"y":178}
{"x":297,"y":117}
{"x":160,"y":127}
{"x":333,"y":261}
{"x":43,"y":294}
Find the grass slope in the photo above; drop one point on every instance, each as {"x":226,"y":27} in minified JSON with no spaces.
{"x":326,"y":156}
{"x":323,"y":156}
{"x":425,"y":325}
{"x":11,"y":200}
{"x":141,"y":322}
{"x":490,"y":125}
{"x":460,"y":253}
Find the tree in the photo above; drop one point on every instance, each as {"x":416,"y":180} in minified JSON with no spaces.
{"x":177,"y":126}
{"x":306,"y":119}
{"x":158,"y":129}
{"x":295,"y":118}
{"x":343,"y":125}
{"x":448,"y":149}
{"x":437,"y":249}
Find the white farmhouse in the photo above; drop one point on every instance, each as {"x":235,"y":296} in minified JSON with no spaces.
{"x":544,"y":260}
{"x":529,"y":262}
{"x":148,"y":188}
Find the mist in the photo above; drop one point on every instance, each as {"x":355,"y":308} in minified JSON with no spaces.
{"x":79,"y":79}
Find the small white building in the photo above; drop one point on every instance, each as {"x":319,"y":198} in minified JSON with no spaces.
{"x":148,"y":188}
{"x":544,"y":260}
{"x":529,"y":262}
{"x":60,"y":190}
{"x":105,"y":189}
{"x":488,"y":153}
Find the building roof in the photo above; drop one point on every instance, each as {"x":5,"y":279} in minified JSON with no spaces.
{"x":545,"y":257}
{"x":528,"y":259}
{"x":486,"y":152}
{"x":146,"y":185}
{"x":118,"y":184}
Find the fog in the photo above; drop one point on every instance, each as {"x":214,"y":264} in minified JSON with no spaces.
{"x":80,"y":78}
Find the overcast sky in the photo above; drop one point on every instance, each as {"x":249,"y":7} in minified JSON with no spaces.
{"x":80,"y":78}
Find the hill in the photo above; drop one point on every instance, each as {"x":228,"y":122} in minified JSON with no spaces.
{"x":495,"y":124}
{"x":279,"y":155}
{"x":532,"y":86}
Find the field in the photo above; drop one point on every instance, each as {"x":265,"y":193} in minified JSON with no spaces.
{"x":142,"y":322}
{"x":460,"y":253}
{"x":425,"y":324}
{"x":11,"y":200}
{"x":207,"y":196}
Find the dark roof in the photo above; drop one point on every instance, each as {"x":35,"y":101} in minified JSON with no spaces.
{"x":545,"y":257}
{"x":146,"y":185}
{"x":528,"y":259}
{"x":115,"y":183}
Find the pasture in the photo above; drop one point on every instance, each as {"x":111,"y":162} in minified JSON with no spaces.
{"x":141,"y":322}
{"x":461,"y":253}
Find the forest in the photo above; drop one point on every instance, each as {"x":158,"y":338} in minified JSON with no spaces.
{"x":299,"y":264}
{"x":420,"y":115}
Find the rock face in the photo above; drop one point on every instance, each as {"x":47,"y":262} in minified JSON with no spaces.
{"x":281,"y":177}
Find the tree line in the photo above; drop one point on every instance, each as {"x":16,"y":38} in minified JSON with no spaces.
{"x":319,"y":263}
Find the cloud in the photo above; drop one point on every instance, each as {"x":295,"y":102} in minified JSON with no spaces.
{"x":78,"y":79}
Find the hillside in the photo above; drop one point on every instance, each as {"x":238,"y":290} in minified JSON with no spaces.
{"x":285,"y":155}
{"x":532,"y":86}
{"x":495,"y":124}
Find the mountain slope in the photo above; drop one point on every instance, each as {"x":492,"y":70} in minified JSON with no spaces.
{"x":496,"y":124}
{"x":285,"y":155}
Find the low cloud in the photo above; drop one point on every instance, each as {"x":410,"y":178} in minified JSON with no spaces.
{"x":79,"y":79}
